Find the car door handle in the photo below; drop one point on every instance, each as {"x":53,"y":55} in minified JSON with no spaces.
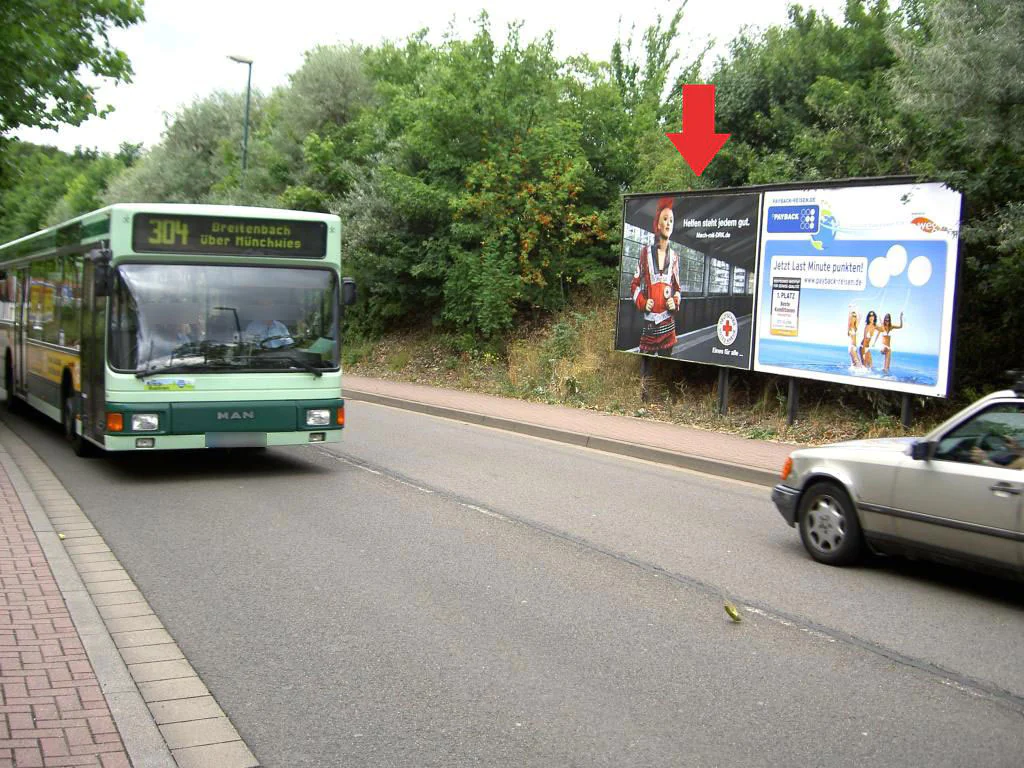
{"x":1005,"y":488}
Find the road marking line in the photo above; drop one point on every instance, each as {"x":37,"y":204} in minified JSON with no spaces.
{"x":488,"y":512}
{"x":787,"y":623}
{"x":343,"y":460}
{"x":411,"y":485}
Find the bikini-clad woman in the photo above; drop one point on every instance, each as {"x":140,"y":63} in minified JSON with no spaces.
{"x":851,"y":331}
{"x":886,"y":334}
{"x":870,"y":331}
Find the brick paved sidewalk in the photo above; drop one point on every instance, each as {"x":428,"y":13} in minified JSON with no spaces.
{"x":52,"y":710}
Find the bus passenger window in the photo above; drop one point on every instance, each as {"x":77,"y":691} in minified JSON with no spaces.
{"x":8,"y":295}
{"x":43,"y":322}
{"x":71,"y":302}
{"x":124,"y":328}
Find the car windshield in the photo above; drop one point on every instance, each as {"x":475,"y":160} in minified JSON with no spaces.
{"x":223,"y":318}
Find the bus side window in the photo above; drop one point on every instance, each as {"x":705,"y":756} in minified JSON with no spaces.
{"x":71,"y":302}
{"x":43,"y":300}
{"x":6,"y":297}
{"x":124,"y":328}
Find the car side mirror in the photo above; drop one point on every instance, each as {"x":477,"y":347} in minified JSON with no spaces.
{"x":921,"y":450}
{"x":348,"y":291}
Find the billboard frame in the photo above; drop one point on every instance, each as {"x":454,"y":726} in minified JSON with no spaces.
{"x":944,"y":386}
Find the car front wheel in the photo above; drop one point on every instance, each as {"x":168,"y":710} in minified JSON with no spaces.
{"x":828,"y":524}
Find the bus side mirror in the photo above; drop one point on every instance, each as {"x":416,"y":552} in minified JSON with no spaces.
{"x":348,"y":291}
{"x":103,"y":275}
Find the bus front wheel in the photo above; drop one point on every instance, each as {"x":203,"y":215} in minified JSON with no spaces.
{"x":79,"y":444}
{"x":12,"y":401}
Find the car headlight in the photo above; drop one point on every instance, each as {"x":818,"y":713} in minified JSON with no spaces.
{"x":145,"y":422}
{"x":318,"y":417}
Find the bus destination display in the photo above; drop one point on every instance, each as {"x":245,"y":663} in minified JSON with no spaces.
{"x":158,"y":233}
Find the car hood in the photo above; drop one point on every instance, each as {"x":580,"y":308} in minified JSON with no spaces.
{"x":887,"y":444}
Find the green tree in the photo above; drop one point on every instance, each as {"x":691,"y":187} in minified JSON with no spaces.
{"x":811,"y":100}
{"x":481,"y":169}
{"x":199,"y":158}
{"x":37,"y":179}
{"x":962,"y":78}
{"x":309,"y":128}
{"x":85,"y":190}
{"x":45,"y":48}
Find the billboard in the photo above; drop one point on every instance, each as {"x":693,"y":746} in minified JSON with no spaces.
{"x":687,"y":277}
{"x":856,"y":285}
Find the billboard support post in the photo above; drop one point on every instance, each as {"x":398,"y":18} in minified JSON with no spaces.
{"x":792,"y":401}
{"x":723,"y":391}
{"x":645,"y":374}
{"x":907,"y":410}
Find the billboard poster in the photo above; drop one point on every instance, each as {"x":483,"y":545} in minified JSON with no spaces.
{"x":856,"y":285}
{"x":687,"y":277}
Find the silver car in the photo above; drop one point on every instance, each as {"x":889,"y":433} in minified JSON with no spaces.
{"x":954,"y":495}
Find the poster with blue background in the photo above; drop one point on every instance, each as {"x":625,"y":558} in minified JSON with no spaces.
{"x":857,"y":285}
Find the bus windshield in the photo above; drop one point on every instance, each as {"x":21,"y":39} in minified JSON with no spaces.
{"x":223,"y":318}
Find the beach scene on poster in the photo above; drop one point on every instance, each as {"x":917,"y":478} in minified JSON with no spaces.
{"x":857,"y":285}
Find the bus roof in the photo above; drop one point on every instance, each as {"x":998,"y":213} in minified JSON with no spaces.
{"x":95,"y":223}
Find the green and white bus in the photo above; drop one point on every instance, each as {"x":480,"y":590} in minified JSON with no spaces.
{"x":143,"y":327}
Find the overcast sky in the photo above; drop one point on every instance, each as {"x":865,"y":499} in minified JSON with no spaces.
{"x":181,"y":51}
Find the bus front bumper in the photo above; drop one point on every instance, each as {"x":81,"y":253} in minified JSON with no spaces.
{"x":219,"y":440}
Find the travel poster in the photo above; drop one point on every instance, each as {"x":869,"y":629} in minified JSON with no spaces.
{"x":857,"y":285}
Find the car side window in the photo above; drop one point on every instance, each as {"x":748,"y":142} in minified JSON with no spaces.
{"x":994,"y":437}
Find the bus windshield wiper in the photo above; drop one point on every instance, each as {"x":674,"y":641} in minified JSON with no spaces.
{"x":179,"y":368}
{"x":303,"y":364}
{"x":282,"y":354}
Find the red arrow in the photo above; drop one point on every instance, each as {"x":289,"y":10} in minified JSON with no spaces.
{"x":698,"y":143}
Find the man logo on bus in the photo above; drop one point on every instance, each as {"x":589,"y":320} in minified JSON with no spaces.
{"x":234,"y":415}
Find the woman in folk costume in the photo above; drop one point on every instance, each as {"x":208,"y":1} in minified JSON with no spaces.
{"x":656,"y":289}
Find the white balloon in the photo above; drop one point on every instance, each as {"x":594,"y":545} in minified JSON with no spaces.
{"x":920,"y":271}
{"x":878,"y":272}
{"x":897,"y":256}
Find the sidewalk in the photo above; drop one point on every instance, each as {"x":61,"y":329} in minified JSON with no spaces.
{"x":88,"y":674}
{"x":53,"y":709}
{"x":725,"y":455}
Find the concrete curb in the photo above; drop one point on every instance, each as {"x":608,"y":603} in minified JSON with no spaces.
{"x":658,"y":455}
{"x":103,"y":602}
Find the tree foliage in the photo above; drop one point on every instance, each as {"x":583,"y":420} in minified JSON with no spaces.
{"x":480,"y":179}
{"x":45,"y":48}
{"x":962,"y":80}
{"x":199,"y":158}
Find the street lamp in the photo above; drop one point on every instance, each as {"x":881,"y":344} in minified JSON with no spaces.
{"x":248,"y":91}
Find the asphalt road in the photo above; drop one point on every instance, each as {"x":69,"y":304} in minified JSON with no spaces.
{"x":436,"y":594}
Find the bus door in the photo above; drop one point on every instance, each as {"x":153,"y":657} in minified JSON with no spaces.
{"x":21,"y":322}
{"x":94,"y":311}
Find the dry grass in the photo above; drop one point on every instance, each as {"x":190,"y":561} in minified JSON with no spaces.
{"x":570,"y":361}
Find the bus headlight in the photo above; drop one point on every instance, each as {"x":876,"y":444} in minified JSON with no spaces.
{"x":318,"y":417}
{"x":145,"y":422}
